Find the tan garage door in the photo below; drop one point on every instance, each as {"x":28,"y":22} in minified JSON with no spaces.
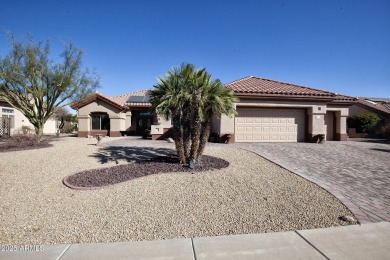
{"x":270,"y":125}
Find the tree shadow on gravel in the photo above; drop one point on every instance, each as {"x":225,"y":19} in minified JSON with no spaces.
{"x":130,"y":154}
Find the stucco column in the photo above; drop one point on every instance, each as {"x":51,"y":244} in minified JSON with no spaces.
{"x":227,"y":128}
{"x":316,"y":122}
{"x":85,"y":125}
{"x":128,"y":121}
{"x":115,"y":126}
{"x":341,"y":127}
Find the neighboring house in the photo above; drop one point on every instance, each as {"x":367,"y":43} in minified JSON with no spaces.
{"x":379,"y":106}
{"x":18,"y":120}
{"x":268,"y":111}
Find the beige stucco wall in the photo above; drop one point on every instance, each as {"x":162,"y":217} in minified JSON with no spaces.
{"x":20,"y":120}
{"x":161,"y":120}
{"x":118,"y":119}
{"x":128,"y":120}
{"x":316,"y":120}
{"x":98,"y":107}
{"x":355,"y":109}
{"x":162,"y":123}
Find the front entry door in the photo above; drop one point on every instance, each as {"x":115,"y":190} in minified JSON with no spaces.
{"x":143,"y":123}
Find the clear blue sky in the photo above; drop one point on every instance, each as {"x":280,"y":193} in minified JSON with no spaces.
{"x":340,"y":46}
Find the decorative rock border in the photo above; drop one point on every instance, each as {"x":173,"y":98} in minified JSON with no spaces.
{"x":104,"y":177}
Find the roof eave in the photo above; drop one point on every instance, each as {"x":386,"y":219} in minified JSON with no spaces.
{"x":284,"y":97}
{"x":79,"y":104}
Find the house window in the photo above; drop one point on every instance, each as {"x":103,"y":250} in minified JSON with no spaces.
{"x":8,"y":111}
{"x":100,"y":122}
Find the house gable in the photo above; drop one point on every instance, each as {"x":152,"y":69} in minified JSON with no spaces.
{"x":95,"y":98}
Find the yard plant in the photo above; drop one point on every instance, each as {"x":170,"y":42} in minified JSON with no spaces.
{"x":191,"y":98}
{"x":37,"y":86}
{"x":363,"y":122}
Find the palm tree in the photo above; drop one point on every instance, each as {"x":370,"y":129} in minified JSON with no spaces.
{"x":166,"y":99}
{"x":170,"y":97}
{"x":216,"y":101}
{"x":191,"y":98}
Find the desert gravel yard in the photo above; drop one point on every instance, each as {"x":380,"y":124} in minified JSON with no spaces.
{"x":252,"y":195}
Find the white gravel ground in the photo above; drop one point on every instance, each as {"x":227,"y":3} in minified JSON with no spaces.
{"x":253,"y":195}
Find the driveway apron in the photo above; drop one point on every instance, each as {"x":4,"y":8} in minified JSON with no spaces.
{"x":357,"y":173}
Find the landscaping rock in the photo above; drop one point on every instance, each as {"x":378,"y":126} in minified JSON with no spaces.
{"x":347,"y":218}
{"x":121,"y":173}
{"x":37,"y":209}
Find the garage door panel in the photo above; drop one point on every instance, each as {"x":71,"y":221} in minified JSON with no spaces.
{"x":239,"y":137}
{"x":270,"y":125}
{"x":257,"y":137}
{"x":240,"y":128}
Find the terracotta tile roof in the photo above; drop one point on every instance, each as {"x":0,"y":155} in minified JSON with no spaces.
{"x":267,"y":87}
{"x":339,"y":97}
{"x":381,"y":105}
{"x":258,"y":85}
{"x":78,"y":104}
{"x":123,"y":99}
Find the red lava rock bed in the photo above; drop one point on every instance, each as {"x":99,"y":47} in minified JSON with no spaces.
{"x":98,"y":178}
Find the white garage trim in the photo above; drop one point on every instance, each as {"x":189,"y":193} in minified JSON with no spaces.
{"x":270,"y":125}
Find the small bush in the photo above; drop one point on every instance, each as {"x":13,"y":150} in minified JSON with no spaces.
{"x":26,"y":129}
{"x":68,"y":128}
{"x":363,"y":122}
{"x":22,"y":142}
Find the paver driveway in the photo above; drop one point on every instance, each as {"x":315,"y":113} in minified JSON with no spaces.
{"x":358,"y":173}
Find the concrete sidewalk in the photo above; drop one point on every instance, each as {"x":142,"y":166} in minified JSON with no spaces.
{"x":367,"y":241}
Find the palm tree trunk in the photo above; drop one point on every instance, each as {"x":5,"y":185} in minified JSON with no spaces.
{"x":204,"y":136}
{"x":195,"y":131}
{"x":187,"y":134}
{"x":178,"y":137}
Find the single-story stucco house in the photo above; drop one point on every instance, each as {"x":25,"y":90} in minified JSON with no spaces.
{"x":17,"y":120}
{"x":267,"y":111}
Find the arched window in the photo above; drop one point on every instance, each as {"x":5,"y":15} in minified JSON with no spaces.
{"x":100,"y":121}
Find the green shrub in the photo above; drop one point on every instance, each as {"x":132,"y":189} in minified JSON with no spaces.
{"x":363,"y":122}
